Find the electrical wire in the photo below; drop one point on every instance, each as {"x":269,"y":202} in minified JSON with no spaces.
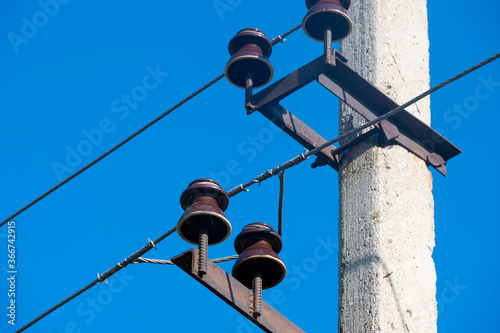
{"x":169,"y":262}
{"x":304,"y":156}
{"x":102,"y":277}
{"x":142,"y":129}
{"x":281,"y":38}
{"x":136,"y":256}
{"x":281,"y":176}
{"x":274,"y":41}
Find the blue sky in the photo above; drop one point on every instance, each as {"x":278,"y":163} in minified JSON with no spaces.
{"x":68,"y":79}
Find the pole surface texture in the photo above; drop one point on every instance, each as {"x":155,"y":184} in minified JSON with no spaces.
{"x":387,"y":279}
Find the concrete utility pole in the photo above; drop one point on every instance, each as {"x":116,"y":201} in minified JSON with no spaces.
{"x":387,"y":277}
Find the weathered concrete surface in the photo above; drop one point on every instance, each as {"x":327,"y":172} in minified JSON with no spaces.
{"x":387,"y":277}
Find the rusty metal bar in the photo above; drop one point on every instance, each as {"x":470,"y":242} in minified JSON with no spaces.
{"x":302,"y":133}
{"x":338,"y":151}
{"x":294,"y":81}
{"x":235,"y":294}
{"x":290,"y":83}
{"x":370,"y":102}
{"x":402,"y":128}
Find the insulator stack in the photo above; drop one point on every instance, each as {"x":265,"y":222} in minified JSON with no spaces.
{"x":249,"y":66}
{"x":258,"y":266}
{"x":203,"y":221}
{"x":327,"y":21}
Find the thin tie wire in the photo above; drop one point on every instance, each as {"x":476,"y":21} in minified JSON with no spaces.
{"x":102,"y":277}
{"x":274,"y":41}
{"x":302,"y":157}
{"x":281,"y":176}
{"x":142,"y":260}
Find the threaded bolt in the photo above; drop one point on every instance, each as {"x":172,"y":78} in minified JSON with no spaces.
{"x":203,"y":248}
{"x":328,"y":45}
{"x":249,"y":91}
{"x":257,"y":295}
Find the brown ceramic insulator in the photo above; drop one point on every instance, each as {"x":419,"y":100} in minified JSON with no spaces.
{"x":204,"y":202}
{"x":324,"y":13}
{"x":249,"y":51}
{"x":250,"y":36}
{"x":204,"y":187}
{"x":255,"y":232}
{"x":258,"y":245}
{"x":259,"y":258}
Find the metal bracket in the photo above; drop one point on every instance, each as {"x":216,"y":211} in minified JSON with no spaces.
{"x":403,"y":128}
{"x":234,"y":293}
{"x":298,"y":130}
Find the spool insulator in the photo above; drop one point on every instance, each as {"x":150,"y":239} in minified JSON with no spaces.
{"x":327,"y":13}
{"x":249,"y":51}
{"x":204,"y":202}
{"x":258,"y":245}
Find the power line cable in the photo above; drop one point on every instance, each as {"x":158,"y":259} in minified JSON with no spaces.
{"x":136,"y":256}
{"x":304,"y":156}
{"x":281,"y":38}
{"x":169,"y":262}
{"x":142,"y":129}
{"x":274,"y":41}
{"x":103,"y":277}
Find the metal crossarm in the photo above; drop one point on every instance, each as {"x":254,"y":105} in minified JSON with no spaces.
{"x":402,"y":128}
{"x":234,"y":293}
